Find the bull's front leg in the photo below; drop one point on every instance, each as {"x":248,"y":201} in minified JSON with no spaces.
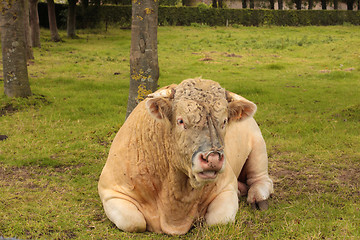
{"x":125,"y":215}
{"x":223,"y":208}
{"x":255,"y":171}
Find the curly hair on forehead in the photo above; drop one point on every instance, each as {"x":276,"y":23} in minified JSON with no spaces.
{"x":201,"y":90}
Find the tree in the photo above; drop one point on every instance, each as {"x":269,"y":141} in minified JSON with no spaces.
{"x":252,"y":4}
{"x":85,"y":3}
{"x":190,"y":3}
{"x":55,"y":37}
{"x":350,"y":4}
{"x":280,"y":4}
{"x":272,"y":4}
{"x":244,"y":5}
{"x":217,"y":3}
{"x":29,"y":51}
{"x":311,"y":4}
{"x":71,"y":19}
{"x":144,"y":67}
{"x":298,"y":4}
{"x":16,"y":82}
{"x":34,"y":23}
{"x":323,"y":4}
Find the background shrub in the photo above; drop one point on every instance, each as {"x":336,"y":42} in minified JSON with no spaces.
{"x":184,"y":16}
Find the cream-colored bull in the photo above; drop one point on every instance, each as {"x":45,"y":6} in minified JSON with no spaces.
{"x":177,"y":159}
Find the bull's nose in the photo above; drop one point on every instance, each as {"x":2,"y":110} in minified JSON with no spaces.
{"x":212,"y":160}
{"x":213,"y":156}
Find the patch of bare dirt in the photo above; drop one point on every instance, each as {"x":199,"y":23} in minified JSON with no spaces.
{"x":28,"y":177}
{"x":7,"y":109}
{"x":314,"y":178}
{"x":10,"y":176}
{"x":206,"y":59}
{"x":232,"y":55}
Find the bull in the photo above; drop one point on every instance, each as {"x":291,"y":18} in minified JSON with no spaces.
{"x":185,"y":153}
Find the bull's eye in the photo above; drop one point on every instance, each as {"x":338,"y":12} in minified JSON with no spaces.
{"x":180,"y":122}
{"x":224,"y":123}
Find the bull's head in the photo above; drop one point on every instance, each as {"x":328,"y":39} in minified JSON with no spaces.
{"x":198,"y":111}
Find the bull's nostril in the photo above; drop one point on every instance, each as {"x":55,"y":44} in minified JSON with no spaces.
{"x":204,"y":158}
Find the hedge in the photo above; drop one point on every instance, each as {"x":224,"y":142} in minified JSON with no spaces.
{"x":184,"y":16}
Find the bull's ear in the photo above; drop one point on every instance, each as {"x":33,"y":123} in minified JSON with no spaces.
{"x":240,"y":107}
{"x":159,"y":108}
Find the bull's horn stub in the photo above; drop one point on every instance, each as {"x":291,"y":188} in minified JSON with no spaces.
{"x":167,"y":93}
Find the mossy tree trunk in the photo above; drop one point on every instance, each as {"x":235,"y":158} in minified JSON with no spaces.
{"x":71,"y":19}
{"x":144,"y":67}
{"x":16,"y":82}
{"x":55,"y":37}
{"x":34,"y":23}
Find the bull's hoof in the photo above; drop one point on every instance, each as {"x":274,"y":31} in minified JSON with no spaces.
{"x":262,"y":205}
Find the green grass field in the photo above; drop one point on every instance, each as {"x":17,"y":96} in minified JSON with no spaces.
{"x":305,"y":81}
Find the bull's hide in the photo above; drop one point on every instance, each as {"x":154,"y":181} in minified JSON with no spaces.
{"x":178,"y":158}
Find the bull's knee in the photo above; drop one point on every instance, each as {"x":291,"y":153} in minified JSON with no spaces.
{"x":222,"y":209}
{"x":125,"y":215}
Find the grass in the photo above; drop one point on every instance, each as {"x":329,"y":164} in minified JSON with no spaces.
{"x":305,"y":81}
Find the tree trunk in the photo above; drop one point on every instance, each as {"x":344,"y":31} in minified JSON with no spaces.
{"x":350,"y":5}
{"x":244,"y":5}
{"x":71,"y":19}
{"x":214,"y":3}
{"x":298,"y":4}
{"x":280,"y":4}
{"x":252,"y":4}
{"x":189,"y":3}
{"x":85,"y":3}
{"x":336,"y":4}
{"x":311,"y":4}
{"x":16,"y":82}
{"x":55,"y":37}
{"x":272,"y":4}
{"x":29,"y":51}
{"x":144,"y":67}
{"x":34,"y":24}
{"x":323,"y":4}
